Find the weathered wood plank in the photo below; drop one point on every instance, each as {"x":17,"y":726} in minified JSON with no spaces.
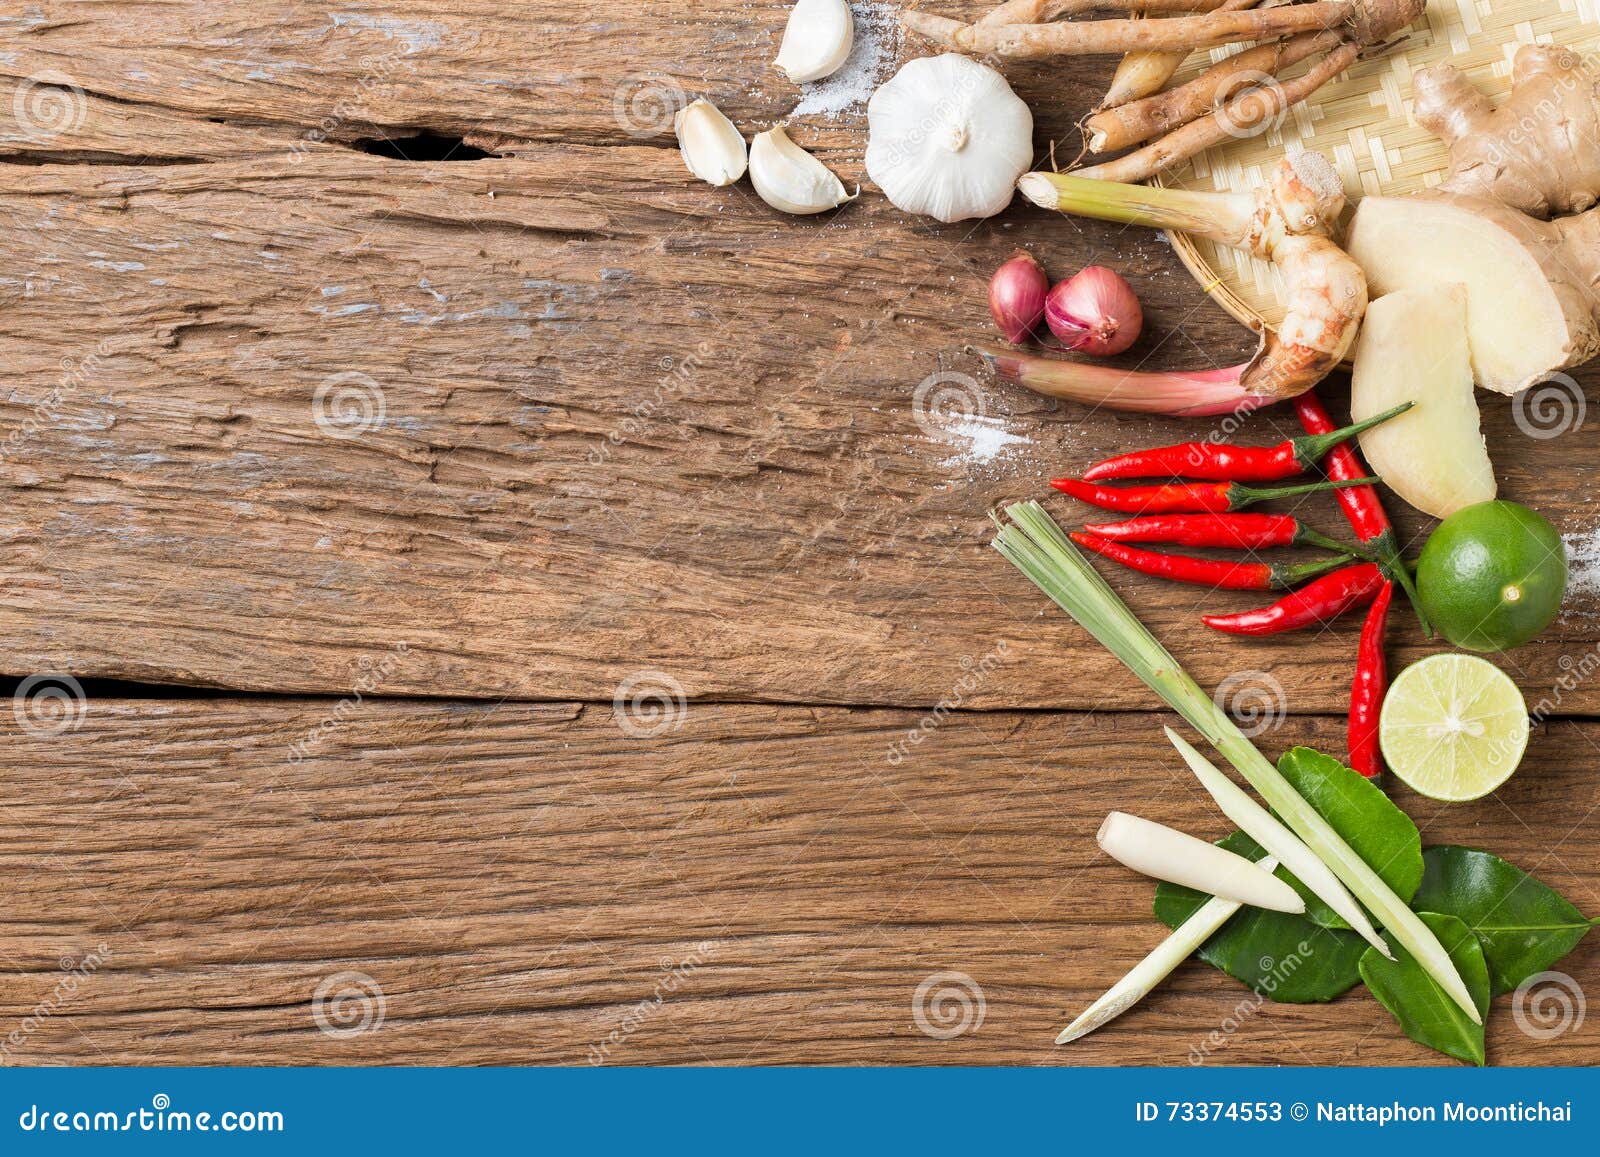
{"x":599,"y":420}
{"x":516,"y":880}
{"x":499,"y":75}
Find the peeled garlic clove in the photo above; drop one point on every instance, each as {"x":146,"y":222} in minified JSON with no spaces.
{"x":791,"y":179}
{"x":711,"y":146}
{"x":816,"y":40}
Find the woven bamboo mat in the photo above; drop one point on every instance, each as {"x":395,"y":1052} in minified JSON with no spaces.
{"x":1362,"y":123}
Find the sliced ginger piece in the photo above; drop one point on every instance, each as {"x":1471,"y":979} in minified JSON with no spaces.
{"x":1413,"y":348}
{"x":1529,"y":310}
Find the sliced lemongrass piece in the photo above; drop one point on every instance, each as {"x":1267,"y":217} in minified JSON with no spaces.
{"x":712,"y":147}
{"x":816,"y":40}
{"x":1261,"y":826}
{"x":1037,"y":547}
{"x":791,"y":179}
{"x":1179,"y":858}
{"x":1186,"y":938}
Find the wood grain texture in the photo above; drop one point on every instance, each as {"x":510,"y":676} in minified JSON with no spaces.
{"x":518,"y":879}
{"x":590,"y":431}
{"x":597,"y":418}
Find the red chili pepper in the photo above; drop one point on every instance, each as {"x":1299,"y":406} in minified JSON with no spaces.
{"x":1362,"y":507}
{"x":1212,"y":572}
{"x":1319,"y":601}
{"x":1240,"y":531}
{"x":1180,"y":497}
{"x":1227,"y":462}
{"x":1368,"y":688}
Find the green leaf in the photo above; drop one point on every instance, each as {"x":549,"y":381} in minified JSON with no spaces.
{"x":1369,"y":821}
{"x":1283,"y":957}
{"x":1425,"y":1012}
{"x":1523,"y":926}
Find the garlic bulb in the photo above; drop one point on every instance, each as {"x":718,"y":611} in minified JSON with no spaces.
{"x":791,"y":179}
{"x":948,"y":138}
{"x":816,"y":40}
{"x":711,"y":146}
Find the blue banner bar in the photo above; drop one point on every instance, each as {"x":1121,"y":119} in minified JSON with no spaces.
{"x":1351,"y":1112}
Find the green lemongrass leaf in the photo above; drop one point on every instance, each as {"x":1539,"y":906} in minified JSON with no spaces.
{"x":1524,"y":926}
{"x":1369,"y":821}
{"x":1425,"y":1012}
{"x":1300,"y":863}
{"x":1189,"y":934}
{"x":1282,"y":957}
{"x":1037,"y":547}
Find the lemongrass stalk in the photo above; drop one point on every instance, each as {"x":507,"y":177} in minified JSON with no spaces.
{"x":1179,"y":858}
{"x":1186,"y":938}
{"x":1037,"y":547}
{"x":1221,"y":217}
{"x":1185,"y":393}
{"x":1260,"y":825}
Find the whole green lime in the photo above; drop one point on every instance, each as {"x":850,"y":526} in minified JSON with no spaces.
{"x":1492,"y":575}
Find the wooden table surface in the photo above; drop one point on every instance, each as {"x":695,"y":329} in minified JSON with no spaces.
{"x":471,"y":590}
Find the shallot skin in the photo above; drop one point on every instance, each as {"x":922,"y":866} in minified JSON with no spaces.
{"x":1094,"y":312}
{"x":1017,"y":297}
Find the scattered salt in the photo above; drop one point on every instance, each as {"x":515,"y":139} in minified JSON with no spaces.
{"x":1583,"y":562}
{"x":877,"y":44}
{"x":981,"y":439}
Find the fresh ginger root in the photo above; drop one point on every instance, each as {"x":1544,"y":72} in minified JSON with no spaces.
{"x":1539,"y":152}
{"x":1532,"y":303}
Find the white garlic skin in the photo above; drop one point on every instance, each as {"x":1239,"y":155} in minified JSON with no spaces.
{"x":712,"y":147}
{"x":947,"y":138}
{"x":817,"y":39}
{"x":790,"y":179}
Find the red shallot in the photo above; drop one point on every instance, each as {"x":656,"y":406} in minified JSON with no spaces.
{"x":1016,"y":297}
{"x":1094,"y":312}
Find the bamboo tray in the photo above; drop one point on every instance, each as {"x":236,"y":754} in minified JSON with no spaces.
{"x":1362,"y":123}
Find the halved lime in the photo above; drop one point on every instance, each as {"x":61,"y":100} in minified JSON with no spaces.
{"x":1453,"y":727}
